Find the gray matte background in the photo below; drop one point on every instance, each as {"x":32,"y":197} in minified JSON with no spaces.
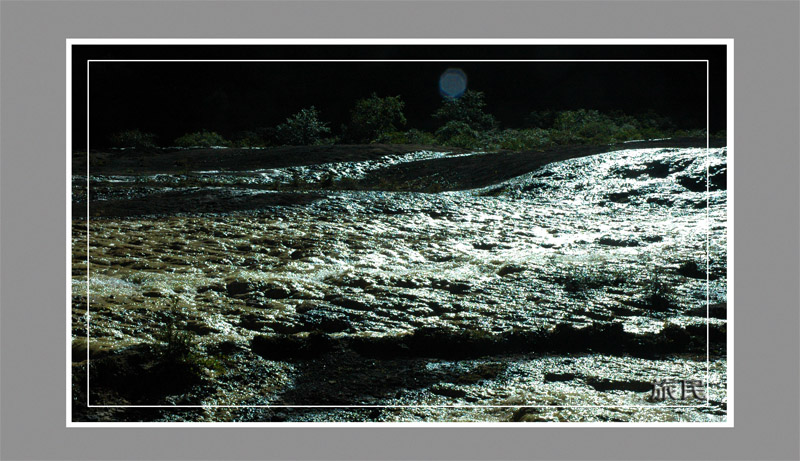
{"x":32,"y":175}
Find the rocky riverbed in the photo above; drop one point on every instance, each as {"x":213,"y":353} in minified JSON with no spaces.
{"x":393,"y":286}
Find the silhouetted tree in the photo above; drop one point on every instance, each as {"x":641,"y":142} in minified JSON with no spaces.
{"x":374,"y":117}
{"x":469,"y":109}
{"x":302,"y":129}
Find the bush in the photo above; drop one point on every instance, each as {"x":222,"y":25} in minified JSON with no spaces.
{"x":534,"y":138}
{"x":201,"y":139}
{"x":178,"y":363}
{"x":455,"y":128}
{"x":133,"y":139}
{"x":375,"y":117}
{"x":581,"y":123}
{"x":394,"y":137}
{"x":467,"y":109}
{"x":302,"y":129}
{"x":698,"y":133}
{"x":415,"y":136}
{"x":540,"y":119}
{"x":249,"y":139}
{"x":658,"y":296}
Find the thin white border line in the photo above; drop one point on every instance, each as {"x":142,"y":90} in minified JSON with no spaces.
{"x":68,"y":232}
{"x":405,"y":424}
{"x":729,"y":96}
{"x":89,"y":405}
{"x":400,"y":41}
{"x":729,"y":241}
{"x":88,"y":289}
{"x":654,"y":406}
{"x":368,"y":406}
{"x":402,"y":406}
{"x":399,"y":60}
{"x":708,"y":239}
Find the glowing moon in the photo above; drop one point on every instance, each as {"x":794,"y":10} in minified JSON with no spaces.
{"x":452,"y":83}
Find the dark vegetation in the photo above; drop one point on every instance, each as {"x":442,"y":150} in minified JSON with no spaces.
{"x":462,"y":122}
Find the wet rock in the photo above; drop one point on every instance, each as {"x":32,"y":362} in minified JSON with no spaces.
{"x":619,"y":197}
{"x":350,"y":280}
{"x":663,"y":201}
{"x":408,"y":282}
{"x":218,"y":288}
{"x":716,"y":311}
{"x":510,"y":269}
{"x":558,"y":377}
{"x":285,"y":327}
{"x":153,"y":294}
{"x":287,"y":347}
{"x":456,"y":288}
{"x":252,"y":322}
{"x":446,"y":390}
{"x":328,"y":322}
{"x":305,"y":306}
{"x":693,"y":270}
{"x":693,"y":183}
{"x":604,"y":385}
{"x":719,"y":178}
{"x":260,"y":302}
{"x":527,"y":415}
{"x":673,"y":337}
{"x":240,"y":287}
{"x":225,"y":348}
{"x":610,"y":241}
{"x":438,"y":308}
{"x":482,"y":372}
{"x":485,"y":245}
{"x":349,"y":303}
{"x":276,"y":291}
{"x":199,"y":327}
{"x":652,"y":238}
{"x":657,"y":169}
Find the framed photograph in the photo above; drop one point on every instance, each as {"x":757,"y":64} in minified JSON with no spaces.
{"x":480,"y":232}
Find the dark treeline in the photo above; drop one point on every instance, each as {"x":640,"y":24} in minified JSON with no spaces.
{"x":167,"y":94}
{"x":459,"y":122}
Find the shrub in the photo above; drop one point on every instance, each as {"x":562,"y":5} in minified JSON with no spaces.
{"x":465,"y":141}
{"x":201,"y":139}
{"x":534,"y":138}
{"x":249,"y":139}
{"x":540,"y":119}
{"x":592,"y":127}
{"x":456,"y":129}
{"x":467,"y":109}
{"x":697,"y":133}
{"x":415,"y":136}
{"x":133,"y":139}
{"x":375,"y":117}
{"x":582,"y":123}
{"x":178,"y":364}
{"x":651,"y":133}
{"x":658,"y":295}
{"x":302,"y":129}
{"x":394,"y":137}
{"x":654,"y":121}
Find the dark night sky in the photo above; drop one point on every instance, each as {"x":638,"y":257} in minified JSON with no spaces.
{"x":172,"y":98}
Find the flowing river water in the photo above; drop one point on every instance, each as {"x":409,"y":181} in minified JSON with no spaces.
{"x":558,"y":295}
